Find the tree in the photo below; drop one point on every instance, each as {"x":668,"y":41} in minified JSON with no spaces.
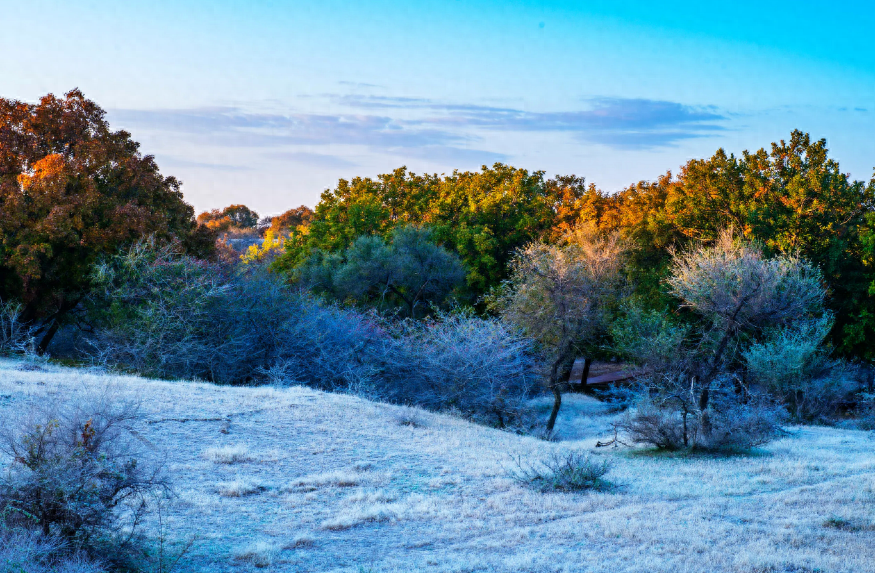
{"x":737,"y":298}
{"x":72,"y":190}
{"x":232,"y":216}
{"x":791,"y":199}
{"x":558,"y":294}
{"x":291,"y":219}
{"x":484,"y":216}
{"x":412,"y":271}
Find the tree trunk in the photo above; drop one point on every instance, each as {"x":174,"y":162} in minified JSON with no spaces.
{"x":47,"y":337}
{"x":557,"y":403}
{"x":557,"y":391}
{"x":586,"y":364}
{"x":703,"y":408}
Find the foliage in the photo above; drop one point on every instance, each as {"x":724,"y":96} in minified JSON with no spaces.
{"x":291,"y":219}
{"x":793,"y":199}
{"x":410,"y":271}
{"x":483,"y":216}
{"x":571,"y":472}
{"x":558,"y":294}
{"x":71,"y":191}
{"x":76,"y":474}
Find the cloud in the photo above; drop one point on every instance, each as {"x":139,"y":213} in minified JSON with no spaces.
{"x":313,"y":159}
{"x":420,"y":128}
{"x":616,"y":122}
{"x":231,"y":126}
{"x":185,"y":163}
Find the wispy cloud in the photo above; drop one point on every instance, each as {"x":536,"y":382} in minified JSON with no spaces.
{"x":421,"y":128}
{"x":233,"y":126}
{"x":616,"y":122}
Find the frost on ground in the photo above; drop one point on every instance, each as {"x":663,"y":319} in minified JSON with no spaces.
{"x":298,"y":480}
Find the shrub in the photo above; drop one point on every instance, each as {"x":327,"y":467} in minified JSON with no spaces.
{"x":168,"y":315}
{"x":31,"y":552}
{"x":672,"y":422}
{"x":73,"y":472}
{"x":792,"y":365}
{"x":573,"y":471}
{"x":482,"y":368}
{"x":15,"y":334}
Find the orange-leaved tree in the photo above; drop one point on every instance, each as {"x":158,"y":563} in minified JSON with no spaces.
{"x":71,"y":191}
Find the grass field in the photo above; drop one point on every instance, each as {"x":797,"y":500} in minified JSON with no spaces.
{"x":299,"y":480}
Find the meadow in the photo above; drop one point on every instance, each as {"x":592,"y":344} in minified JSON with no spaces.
{"x":295,"y":479}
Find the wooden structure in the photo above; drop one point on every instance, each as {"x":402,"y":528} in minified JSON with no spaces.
{"x":580,"y":374}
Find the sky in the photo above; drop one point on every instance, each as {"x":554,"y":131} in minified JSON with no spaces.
{"x":268,"y":103}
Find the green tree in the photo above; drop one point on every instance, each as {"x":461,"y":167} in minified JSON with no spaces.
{"x":410,"y":271}
{"x":483,"y":216}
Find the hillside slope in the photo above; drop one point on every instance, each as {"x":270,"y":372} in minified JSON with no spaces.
{"x":299,"y":480}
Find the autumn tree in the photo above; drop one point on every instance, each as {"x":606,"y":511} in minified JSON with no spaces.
{"x":232,"y":216}
{"x":792,"y":198}
{"x":71,"y":191}
{"x":291,"y":219}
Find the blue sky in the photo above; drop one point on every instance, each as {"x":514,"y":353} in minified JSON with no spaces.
{"x":269,"y":102}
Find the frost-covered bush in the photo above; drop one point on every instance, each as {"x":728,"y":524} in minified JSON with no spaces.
{"x":570,"y":472}
{"x":15,"y":334}
{"x":480,"y":367}
{"x":792,"y":364}
{"x":671,"y":421}
{"x":30,"y":552}
{"x":73,"y":471}
{"x":167,"y":315}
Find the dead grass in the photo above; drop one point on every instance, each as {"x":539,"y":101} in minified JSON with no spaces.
{"x":350,"y":489}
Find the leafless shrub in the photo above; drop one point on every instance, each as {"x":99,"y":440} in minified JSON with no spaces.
{"x":31,"y":552}
{"x":570,"y":472}
{"x":482,"y":368}
{"x":16,"y":337}
{"x":672,"y":422}
{"x":74,"y":471}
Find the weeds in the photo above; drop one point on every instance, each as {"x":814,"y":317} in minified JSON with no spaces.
{"x":570,"y":472}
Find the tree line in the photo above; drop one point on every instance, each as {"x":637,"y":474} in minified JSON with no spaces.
{"x":74,"y":192}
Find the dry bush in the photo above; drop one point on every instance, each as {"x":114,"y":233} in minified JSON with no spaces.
{"x":672,"y":422}
{"x":74,"y":471}
{"x":31,"y":552}
{"x":168,"y":315}
{"x":482,"y":368}
{"x":16,"y":337}
{"x":571,"y":472}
